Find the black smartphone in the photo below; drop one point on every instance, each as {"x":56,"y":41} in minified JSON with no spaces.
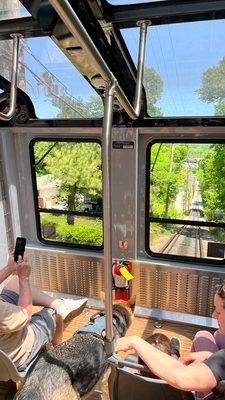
{"x":19,"y":248}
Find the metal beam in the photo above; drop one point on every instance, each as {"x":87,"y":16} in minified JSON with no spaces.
{"x":26,"y":26}
{"x":166,"y":12}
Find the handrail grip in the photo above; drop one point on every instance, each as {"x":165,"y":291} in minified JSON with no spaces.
{"x":14,"y":75}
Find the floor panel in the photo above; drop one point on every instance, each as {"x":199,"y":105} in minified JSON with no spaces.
{"x":141,"y":326}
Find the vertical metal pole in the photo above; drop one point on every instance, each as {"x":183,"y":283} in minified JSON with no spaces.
{"x":141,"y":63}
{"x":107,"y":217}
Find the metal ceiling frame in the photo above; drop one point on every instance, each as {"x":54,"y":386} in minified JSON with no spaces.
{"x":103,"y":22}
{"x":163,"y":12}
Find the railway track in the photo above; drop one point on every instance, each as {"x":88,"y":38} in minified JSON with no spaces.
{"x":187,"y":240}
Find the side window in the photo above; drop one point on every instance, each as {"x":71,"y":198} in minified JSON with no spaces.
{"x":185,"y":206}
{"x":67,"y":179}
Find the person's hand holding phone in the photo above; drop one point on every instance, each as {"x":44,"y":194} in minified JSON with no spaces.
{"x":23,"y":268}
{"x":12,"y":265}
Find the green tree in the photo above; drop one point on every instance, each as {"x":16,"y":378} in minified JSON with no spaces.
{"x":71,"y":107}
{"x":79,"y":169}
{"x":41,"y":151}
{"x":220,"y":108}
{"x":93,"y":107}
{"x":167,"y":174}
{"x":212,"y":88}
{"x":211,"y":178}
{"x":153,"y":87}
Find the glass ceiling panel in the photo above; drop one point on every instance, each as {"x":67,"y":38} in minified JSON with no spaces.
{"x":54,"y":85}
{"x":185,"y":66}
{"x":12,"y":9}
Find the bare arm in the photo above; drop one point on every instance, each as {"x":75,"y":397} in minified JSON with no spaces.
{"x":9,"y":269}
{"x":196,"y":357}
{"x":25,"y":295}
{"x":192,"y":377}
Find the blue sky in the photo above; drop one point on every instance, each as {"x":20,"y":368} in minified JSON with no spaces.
{"x":180,"y":53}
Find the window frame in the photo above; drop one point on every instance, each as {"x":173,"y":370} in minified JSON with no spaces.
{"x":38,"y":210}
{"x":149,"y":219}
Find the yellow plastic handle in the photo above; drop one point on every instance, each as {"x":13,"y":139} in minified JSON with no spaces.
{"x":126,"y":274}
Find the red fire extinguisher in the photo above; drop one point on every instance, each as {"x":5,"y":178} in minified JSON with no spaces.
{"x":122,"y":277}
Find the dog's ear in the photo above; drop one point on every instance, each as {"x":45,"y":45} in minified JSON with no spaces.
{"x":131,"y":302}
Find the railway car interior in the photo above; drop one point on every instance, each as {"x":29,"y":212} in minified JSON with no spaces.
{"x":112,"y":158}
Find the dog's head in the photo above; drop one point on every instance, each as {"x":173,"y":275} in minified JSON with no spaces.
{"x":122,"y":314}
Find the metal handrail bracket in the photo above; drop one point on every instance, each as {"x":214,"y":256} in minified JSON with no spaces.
{"x":14,"y":76}
{"x":73,"y":23}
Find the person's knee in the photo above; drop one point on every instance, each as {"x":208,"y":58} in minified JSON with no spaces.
{"x":203,"y":334}
{"x":12,"y":283}
{"x":204,"y":341}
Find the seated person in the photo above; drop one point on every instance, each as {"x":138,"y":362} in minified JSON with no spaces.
{"x":23,"y":335}
{"x":206,"y":343}
{"x":164,"y":344}
{"x":204,"y":340}
{"x":207,"y":373}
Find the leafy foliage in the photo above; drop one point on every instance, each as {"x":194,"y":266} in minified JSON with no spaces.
{"x":84,"y":231}
{"x":211,"y":178}
{"x":213,"y":86}
{"x":167,"y":176}
{"x":76,"y":165}
{"x":153,"y":88}
{"x":78,"y":108}
{"x":93,"y":106}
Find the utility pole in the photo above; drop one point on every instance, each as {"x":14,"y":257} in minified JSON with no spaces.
{"x":169,"y":183}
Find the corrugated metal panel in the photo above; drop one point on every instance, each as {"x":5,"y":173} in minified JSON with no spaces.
{"x":67,"y":273}
{"x":176,"y":289}
{"x":158,"y":287}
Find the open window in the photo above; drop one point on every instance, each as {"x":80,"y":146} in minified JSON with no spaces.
{"x":67,"y":181}
{"x":185,"y":207}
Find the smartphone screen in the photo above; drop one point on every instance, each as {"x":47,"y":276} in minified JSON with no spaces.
{"x":19,"y":248}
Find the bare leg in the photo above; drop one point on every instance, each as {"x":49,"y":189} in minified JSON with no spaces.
{"x":39,"y":298}
{"x":204,"y":341}
{"x":58,"y":335}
